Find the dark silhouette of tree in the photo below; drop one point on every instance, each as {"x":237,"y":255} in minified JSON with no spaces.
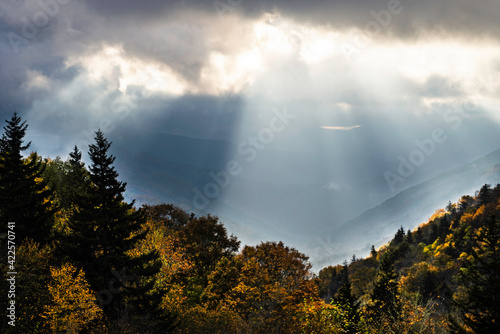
{"x":465,"y":202}
{"x":434,"y":234}
{"x":24,"y":197}
{"x":419,"y":235}
{"x":398,"y":237}
{"x":104,"y":230}
{"x":373,"y":252}
{"x":484,"y":195}
{"x":409,"y":237}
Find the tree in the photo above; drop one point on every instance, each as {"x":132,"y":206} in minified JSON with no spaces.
{"x":373,"y":252}
{"x":419,"y":235}
{"x":484,"y":195}
{"x":443,"y":228}
{"x":24,"y":197}
{"x":104,"y":231}
{"x":74,"y":305}
{"x":409,"y":237}
{"x":205,"y":243}
{"x":269,"y":282}
{"x":385,"y":297}
{"x":33,"y":262}
{"x":398,"y":237}
{"x":451,"y":208}
{"x":347,"y":302}
{"x":479,"y":304}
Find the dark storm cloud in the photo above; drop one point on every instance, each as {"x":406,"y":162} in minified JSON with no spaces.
{"x":404,"y":18}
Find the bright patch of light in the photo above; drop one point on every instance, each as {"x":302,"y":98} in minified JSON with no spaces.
{"x":112,"y":64}
{"x":270,"y":35}
{"x":343,"y":128}
{"x":36,"y":80}
{"x":443,"y":58}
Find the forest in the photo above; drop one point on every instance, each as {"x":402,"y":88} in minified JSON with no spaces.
{"x":78,"y":258}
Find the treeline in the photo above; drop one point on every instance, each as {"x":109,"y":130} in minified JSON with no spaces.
{"x":443,"y":277}
{"x":89,"y":262}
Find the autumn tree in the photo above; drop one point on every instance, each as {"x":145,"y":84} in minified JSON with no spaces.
{"x":205,"y":242}
{"x":74,"y":307}
{"x":479,"y":302}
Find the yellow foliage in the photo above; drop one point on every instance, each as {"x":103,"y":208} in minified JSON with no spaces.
{"x":466,"y":218}
{"x":438,"y":214}
{"x":74,"y":304}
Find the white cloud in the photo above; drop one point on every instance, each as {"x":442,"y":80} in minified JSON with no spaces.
{"x":344,"y":128}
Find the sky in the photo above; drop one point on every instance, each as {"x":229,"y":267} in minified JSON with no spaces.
{"x":373,"y":79}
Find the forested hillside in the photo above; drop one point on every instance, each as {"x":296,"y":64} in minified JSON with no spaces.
{"x":77,"y":258}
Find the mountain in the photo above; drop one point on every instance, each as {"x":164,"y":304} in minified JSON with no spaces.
{"x":409,"y":208}
{"x":304,"y":198}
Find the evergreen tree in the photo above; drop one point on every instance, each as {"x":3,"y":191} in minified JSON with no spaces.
{"x":434,"y":233}
{"x":409,"y":237}
{"x":484,"y":195}
{"x":385,"y":296}
{"x":24,"y":197}
{"x":348,"y":303}
{"x":373,"y":252}
{"x":398,"y":237}
{"x":481,"y":308}
{"x":419,"y":235}
{"x":104,"y":230}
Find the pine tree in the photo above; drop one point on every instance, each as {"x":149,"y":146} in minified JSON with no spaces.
{"x":104,"y":231}
{"x":419,"y":235}
{"x":484,"y":194}
{"x":409,"y":237}
{"x":24,"y":197}
{"x":398,"y":237}
{"x":385,"y":296}
{"x":348,"y":303}
{"x":373,"y":252}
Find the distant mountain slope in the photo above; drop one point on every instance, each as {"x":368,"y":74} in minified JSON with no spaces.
{"x":408,"y":208}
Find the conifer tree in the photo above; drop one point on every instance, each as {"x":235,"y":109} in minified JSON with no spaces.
{"x":385,"y":296}
{"x":409,"y":237}
{"x":484,"y":194}
{"x":104,"y":231}
{"x":419,"y":235}
{"x":24,"y":197}
{"x":348,"y":303}
{"x":398,"y":237}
